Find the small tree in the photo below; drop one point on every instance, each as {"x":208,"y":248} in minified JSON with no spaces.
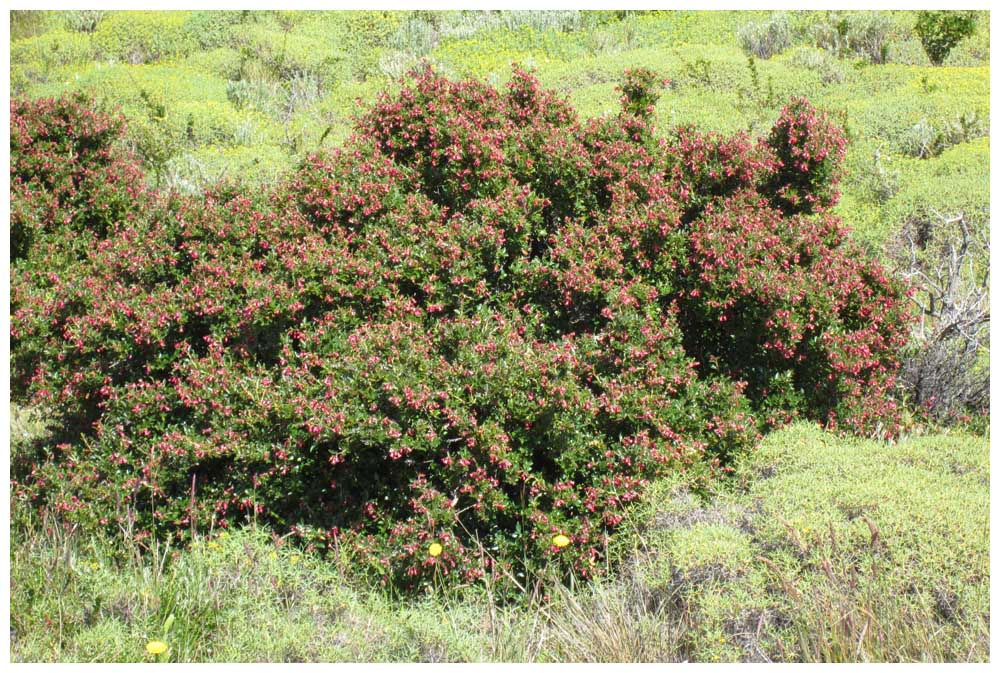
{"x":941,"y":30}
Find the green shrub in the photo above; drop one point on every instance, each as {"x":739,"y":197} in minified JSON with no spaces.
{"x":940,"y":31}
{"x":213,"y":29}
{"x":143,"y":36}
{"x":395,"y":64}
{"x":925,"y":140}
{"x":223,"y":62}
{"x":764,"y":39}
{"x":878,"y":182}
{"x":417,"y":36}
{"x":868,"y":34}
{"x":274,"y":55}
{"x":51,"y":49}
{"x":820,"y":61}
{"x":830,"y":33}
{"x":210,"y":123}
{"x":920,"y":141}
{"x":908,"y":52}
{"x":971,"y":51}
{"x":255,"y":95}
{"x":829,"y":550}
{"x":952,"y":182}
{"x":466,"y":24}
{"x":366,"y":36}
{"x":84,"y":21}
{"x":29,"y":23}
{"x":611,"y":39}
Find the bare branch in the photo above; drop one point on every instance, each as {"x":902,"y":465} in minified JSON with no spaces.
{"x":950,"y":271}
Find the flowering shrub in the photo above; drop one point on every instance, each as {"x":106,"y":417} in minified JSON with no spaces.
{"x":809,"y":150}
{"x":639,"y":93}
{"x":480,"y":327}
{"x":65,"y":173}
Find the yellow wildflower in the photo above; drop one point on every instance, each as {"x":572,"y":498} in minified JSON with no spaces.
{"x":156,"y":647}
{"x":560,"y":540}
{"x":435,"y":549}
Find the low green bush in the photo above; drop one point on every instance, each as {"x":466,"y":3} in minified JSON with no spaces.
{"x":84,"y":21}
{"x":214,"y":29}
{"x":869,"y":35}
{"x":54,"y":48}
{"x":25,"y":23}
{"x":973,"y":50}
{"x":767,"y":38}
{"x":417,"y":36}
{"x":925,"y":140}
{"x":830,"y":70}
{"x":274,"y":55}
{"x":143,"y":36}
{"x":223,"y":62}
{"x":828,"y":549}
{"x":909,"y":52}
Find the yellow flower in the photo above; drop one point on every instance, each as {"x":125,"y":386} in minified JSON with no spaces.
{"x":156,"y":647}
{"x":560,"y":540}
{"x":295,"y":559}
{"x":435,"y":549}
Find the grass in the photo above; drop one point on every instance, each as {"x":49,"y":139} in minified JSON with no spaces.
{"x":819,"y":549}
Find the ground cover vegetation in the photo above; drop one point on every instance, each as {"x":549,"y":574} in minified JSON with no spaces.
{"x":480,"y":337}
{"x":828,"y":550}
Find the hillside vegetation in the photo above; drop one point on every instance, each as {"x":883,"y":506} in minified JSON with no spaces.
{"x":824,"y":550}
{"x":502,"y":336}
{"x":245,"y":94}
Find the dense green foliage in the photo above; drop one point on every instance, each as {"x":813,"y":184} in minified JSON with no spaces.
{"x":831,"y":549}
{"x":767,"y":38}
{"x":941,"y":30}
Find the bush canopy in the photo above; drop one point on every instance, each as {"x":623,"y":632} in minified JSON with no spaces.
{"x":482,"y":323}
